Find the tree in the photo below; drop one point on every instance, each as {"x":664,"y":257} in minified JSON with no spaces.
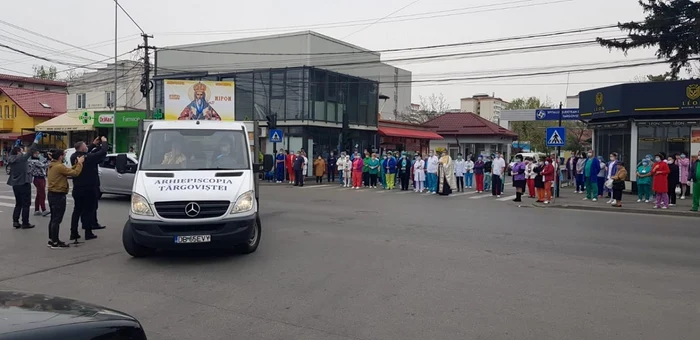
{"x":577,"y":136}
{"x":42,"y":72}
{"x":652,"y":78}
{"x":428,"y":109}
{"x":71,"y":75}
{"x":670,"y":26}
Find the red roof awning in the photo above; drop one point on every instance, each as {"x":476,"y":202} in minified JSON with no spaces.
{"x":408,"y":133}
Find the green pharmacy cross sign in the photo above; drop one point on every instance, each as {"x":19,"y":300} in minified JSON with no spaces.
{"x":85,"y":117}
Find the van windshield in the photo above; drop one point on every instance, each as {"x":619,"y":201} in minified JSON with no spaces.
{"x":195,"y":149}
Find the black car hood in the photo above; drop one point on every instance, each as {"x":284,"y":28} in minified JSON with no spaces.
{"x":21,"y":311}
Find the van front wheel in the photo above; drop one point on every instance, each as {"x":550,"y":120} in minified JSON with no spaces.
{"x":132,"y":248}
{"x":251,"y":245}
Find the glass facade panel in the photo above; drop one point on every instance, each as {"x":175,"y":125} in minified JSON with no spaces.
{"x":244,"y":96}
{"x":261,"y":94}
{"x":299,"y":94}
{"x":277,"y":93}
{"x":294,"y":94}
{"x":617,"y":140}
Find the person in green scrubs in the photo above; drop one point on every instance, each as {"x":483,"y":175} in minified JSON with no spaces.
{"x":365,"y":169}
{"x":694,"y":175}
{"x":590,"y":174}
{"x":374,"y":166}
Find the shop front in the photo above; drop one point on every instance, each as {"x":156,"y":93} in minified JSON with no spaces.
{"x":67,"y":129}
{"x":127,"y":123}
{"x":638,"y":119}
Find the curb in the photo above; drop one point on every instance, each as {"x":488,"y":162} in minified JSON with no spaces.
{"x":662,"y":212}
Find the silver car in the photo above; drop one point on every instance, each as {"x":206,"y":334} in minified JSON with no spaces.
{"x":112,"y":182}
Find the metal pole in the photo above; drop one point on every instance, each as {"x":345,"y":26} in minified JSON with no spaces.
{"x":256,"y":151}
{"x":114,"y":104}
{"x":556,"y":176}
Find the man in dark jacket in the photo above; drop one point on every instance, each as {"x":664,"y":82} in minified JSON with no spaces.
{"x":20,"y":180}
{"x":93,"y":148}
{"x":86,"y":188}
{"x":298,"y":170}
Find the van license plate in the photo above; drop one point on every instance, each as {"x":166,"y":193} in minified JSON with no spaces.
{"x":193,"y":239}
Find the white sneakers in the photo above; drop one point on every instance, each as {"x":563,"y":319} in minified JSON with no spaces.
{"x":595,"y":200}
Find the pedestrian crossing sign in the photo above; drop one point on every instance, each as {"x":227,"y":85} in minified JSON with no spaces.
{"x":276,"y":136}
{"x":556,"y":136}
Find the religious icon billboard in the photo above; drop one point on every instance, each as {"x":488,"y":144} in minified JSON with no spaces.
{"x":199,"y":100}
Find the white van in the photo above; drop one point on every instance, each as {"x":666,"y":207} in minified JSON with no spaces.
{"x":194,"y":188}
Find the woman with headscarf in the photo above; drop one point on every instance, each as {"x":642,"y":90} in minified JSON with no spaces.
{"x":660,"y":172}
{"x":419,"y":174}
{"x":446,"y":175}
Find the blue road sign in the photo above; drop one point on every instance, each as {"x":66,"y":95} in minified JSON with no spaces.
{"x":553,"y":114}
{"x":276,"y":136}
{"x":556,"y":136}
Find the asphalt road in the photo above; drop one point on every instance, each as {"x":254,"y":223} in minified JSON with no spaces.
{"x":344,"y":264}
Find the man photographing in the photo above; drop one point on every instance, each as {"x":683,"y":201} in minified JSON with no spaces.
{"x":86,"y":187}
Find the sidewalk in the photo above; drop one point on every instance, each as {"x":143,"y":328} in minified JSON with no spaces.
{"x":569,"y":200}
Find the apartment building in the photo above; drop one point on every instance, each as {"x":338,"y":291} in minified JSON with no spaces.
{"x":488,"y":107}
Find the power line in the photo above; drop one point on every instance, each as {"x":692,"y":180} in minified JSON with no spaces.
{"x":93,"y":45}
{"x":380,"y":19}
{"x":398,"y":18}
{"x":49,"y":38}
{"x":129,"y":15}
{"x":415,"y":48}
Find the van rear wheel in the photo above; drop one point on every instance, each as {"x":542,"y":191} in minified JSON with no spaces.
{"x":132,"y":248}
{"x":251,"y":245}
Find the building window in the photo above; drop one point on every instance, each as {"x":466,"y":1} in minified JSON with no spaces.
{"x":277,"y":93}
{"x":261,"y":92}
{"x":7,"y":112}
{"x":109,"y":99}
{"x":655,"y":139}
{"x":80,"y":100}
{"x":294,"y":87}
{"x":14,"y":111}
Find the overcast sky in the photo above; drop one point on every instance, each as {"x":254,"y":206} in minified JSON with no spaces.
{"x":90,"y":24}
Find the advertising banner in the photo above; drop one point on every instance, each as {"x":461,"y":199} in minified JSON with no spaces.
{"x":199,"y":100}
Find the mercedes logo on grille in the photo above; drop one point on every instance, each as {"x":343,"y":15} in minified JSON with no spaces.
{"x":192,"y":209}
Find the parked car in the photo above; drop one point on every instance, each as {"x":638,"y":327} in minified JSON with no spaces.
{"x":29,"y":316}
{"x":112,"y":182}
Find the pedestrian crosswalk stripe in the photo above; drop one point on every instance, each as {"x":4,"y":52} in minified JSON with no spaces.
{"x":315,"y":186}
{"x":12,"y":198}
{"x":9,"y":205}
{"x":479,"y":196}
{"x":461,"y":194}
{"x":506,"y":198}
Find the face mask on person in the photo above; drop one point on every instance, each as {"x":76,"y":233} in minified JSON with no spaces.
{"x":546,"y":162}
{"x":645,"y":163}
{"x":590,"y":155}
{"x":459,"y":157}
{"x":669,"y":161}
{"x":657,"y":159}
{"x":682,"y":156}
{"x":612,"y":159}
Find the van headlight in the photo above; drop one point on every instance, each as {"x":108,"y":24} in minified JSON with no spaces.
{"x":140,"y":206}
{"x":244,"y":203}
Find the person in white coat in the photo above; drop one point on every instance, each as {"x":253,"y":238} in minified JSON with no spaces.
{"x":469,"y":173}
{"x":460,"y":170}
{"x":419,"y":174}
{"x":346,"y":166}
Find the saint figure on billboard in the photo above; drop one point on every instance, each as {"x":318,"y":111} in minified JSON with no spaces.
{"x":199,"y":108}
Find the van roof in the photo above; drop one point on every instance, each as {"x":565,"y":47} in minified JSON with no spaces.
{"x":196,"y":124}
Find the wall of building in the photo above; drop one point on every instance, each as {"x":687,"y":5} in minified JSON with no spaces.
{"x":486,"y":107}
{"x":30,"y":86}
{"x":18,"y":122}
{"x":95,"y":85}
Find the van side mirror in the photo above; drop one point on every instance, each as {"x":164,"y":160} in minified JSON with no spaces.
{"x":120,"y":164}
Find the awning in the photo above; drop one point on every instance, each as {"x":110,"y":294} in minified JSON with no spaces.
{"x":408,"y":133}
{"x":14,"y":135}
{"x":71,"y":121}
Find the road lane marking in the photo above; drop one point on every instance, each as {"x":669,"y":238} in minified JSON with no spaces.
{"x":314,"y":186}
{"x":506,"y":198}
{"x":479,"y":196}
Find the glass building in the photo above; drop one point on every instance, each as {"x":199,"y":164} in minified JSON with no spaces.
{"x":313,"y":106}
{"x":638,"y":119}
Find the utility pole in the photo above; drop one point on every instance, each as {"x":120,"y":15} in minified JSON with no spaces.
{"x":556,"y":175}
{"x":116,"y":77}
{"x":146,"y":78}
